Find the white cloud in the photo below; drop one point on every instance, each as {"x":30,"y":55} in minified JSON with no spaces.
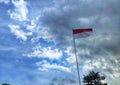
{"x":84,"y":52}
{"x":87,"y":20}
{"x":45,"y":52}
{"x":87,"y":67}
{"x":101,"y":37}
{"x":5,"y":48}
{"x":116,"y":75}
{"x":15,"y":29}
{"x":84,"y":20}
{"x":42,"y":32}
{"x":20,"y":12}
{"x":45,"y":66}
{"x":97,"y":64}
{"x":4,"y":1}
{"x":33,"y":24}
{"x":71,"y":56}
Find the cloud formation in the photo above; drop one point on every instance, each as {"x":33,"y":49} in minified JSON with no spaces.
{"x":4,"y":1}
{"x":19,"y":33}
{"x":45,"y":52}
{"x":20,"y":11}
{"x":44,"y":66}
{"x":103,"y":54}
{"x":57,"y":21}
{"x":40,"y":23}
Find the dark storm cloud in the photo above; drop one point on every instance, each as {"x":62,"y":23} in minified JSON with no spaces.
{"x":60,"y":18}
{"x":101,"y":53}
{"x":102,"y":15}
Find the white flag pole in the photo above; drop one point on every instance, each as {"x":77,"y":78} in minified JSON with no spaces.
{"x":77,"y":64}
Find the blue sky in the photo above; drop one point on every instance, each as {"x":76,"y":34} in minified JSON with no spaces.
{"x":36,"y":43}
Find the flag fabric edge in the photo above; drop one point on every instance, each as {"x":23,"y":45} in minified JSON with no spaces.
{"x":76,"y":31}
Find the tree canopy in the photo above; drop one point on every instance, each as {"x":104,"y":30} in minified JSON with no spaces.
{"x":94,"y":78}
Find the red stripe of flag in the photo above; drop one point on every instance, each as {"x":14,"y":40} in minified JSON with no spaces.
{"x":76,"y":31}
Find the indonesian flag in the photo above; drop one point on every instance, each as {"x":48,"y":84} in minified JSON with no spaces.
{"x":81,"y":33}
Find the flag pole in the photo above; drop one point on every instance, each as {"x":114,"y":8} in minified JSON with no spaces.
{"x":77,"y":64}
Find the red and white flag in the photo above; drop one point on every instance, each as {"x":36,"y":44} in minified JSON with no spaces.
{"x":81,"y":33}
